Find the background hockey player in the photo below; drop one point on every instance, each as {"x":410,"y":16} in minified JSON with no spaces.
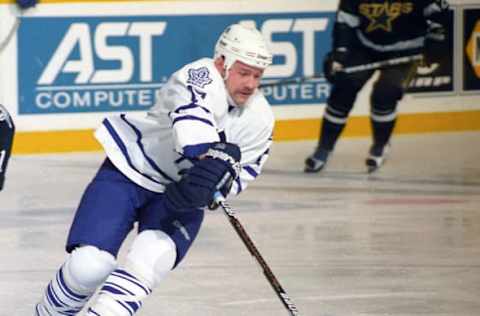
{"x":7,"y":128}
{"x":366,"y":32}
{"x":209,"y":131}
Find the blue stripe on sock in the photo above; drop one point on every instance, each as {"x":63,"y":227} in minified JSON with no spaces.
{"x":53,"y":297}
{"x":127,"y":276}
{"x":66,"y":290}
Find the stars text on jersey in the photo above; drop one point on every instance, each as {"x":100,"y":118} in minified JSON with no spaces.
{"x":381,"y":15}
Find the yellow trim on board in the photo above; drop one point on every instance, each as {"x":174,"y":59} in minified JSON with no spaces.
{"x":54,"y":141}
{"x":285,"y":130}
{"x":359,"y":126}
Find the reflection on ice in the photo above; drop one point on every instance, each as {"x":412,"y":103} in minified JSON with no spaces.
{"x":403,"y":241}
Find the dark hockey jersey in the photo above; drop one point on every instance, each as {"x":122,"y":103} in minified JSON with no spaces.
{"x":386,"y":25}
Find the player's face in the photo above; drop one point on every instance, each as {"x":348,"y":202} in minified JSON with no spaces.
{"x":242,"y":81}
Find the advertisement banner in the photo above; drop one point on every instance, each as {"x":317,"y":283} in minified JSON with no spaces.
{"x":117,"y":63}
{"x":471,"y":51}
{"x":439,"y":76}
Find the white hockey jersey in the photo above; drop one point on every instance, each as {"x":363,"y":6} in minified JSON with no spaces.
{"x":192,"y":108}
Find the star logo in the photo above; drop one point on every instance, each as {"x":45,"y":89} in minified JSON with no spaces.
{"x":381,"y":15}
{"x":383,"y":22}
{"x":199,"y":77}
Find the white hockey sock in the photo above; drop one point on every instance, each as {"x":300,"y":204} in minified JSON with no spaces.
{"x":121,"y":295}
{"x":60,"y":299}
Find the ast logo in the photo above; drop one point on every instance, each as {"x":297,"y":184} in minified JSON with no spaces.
{"x":88,"y":65}
{"x":91,"y":64}
{"x":298,"y":46}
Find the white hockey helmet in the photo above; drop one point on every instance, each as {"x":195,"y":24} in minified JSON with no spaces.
{"x":245,"y":44}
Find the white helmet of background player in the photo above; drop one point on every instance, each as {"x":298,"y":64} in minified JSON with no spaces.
{"x":244,"y":44}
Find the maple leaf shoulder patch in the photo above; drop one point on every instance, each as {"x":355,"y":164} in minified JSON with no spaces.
{"x":199,"y":77}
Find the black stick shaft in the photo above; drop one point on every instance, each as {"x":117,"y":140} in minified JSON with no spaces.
{"x":287,"y":302}
{"x":352,"y":69}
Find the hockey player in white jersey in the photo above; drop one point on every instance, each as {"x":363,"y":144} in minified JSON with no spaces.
{"x":209,"y":132}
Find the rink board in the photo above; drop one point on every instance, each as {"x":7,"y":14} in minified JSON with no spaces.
{"x":70,"y":64}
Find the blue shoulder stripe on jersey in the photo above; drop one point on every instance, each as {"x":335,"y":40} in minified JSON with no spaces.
{"x":250,"y":170}
{"x":192,"y":118}
{"x":123,"y":148}
{"x":142,"y":148}
{"x":191,"y":106}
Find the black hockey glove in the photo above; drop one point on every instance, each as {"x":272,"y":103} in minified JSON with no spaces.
{"x":216,"y":171}
{"x":333,"y":63}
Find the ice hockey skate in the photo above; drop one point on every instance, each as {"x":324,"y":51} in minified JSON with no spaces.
{"x":377,"y":157}
{"x":316,"y":161}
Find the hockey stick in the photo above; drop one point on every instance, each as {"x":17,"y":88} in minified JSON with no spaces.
{"x":287,"y":302}
{"x":349,"y":70}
